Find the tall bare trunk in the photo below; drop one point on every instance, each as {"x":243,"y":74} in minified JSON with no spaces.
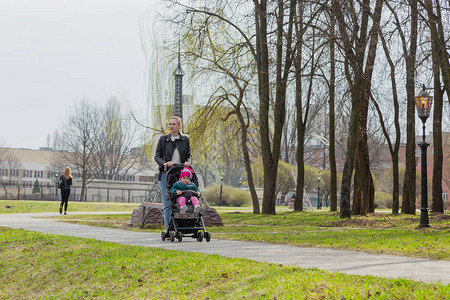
{"x":438,"y":156}
{"x":409,"y":185}
{"x":270,"y":154}
{"x":248,"y":167}
{"x":364,"y":195}
{"x":264,"y":102}
{"x":393,"y":149}
{"x":332,"y":144}
{"x":300,"y":126}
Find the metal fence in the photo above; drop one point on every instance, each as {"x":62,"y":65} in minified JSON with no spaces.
{"x":92,"y":194}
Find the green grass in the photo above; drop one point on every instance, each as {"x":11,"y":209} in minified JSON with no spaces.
{"x":19,"y":206}
{"x":35,"y":265}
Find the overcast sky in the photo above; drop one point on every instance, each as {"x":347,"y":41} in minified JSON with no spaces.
{"x":53,"y":53}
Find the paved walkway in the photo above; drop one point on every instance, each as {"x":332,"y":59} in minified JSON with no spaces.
{"x":350,"y":262}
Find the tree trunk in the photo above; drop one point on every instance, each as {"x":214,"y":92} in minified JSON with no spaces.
{"x":248,"y":167}
{"x":264,"y":102}
{"x":332,"y":144}
{"x":409,"y":185}
{"x":364,"y":191}
{"x":354,"y":59}
{"x":364,"y":195}
{"x":438,"y":156}
{"x":271,"y":155}
{"x":437,"y":204}
{"x":393,"y":149}
{"x":298,"y":202}
{"x":395,"y":185}
{"x":300,"y":126}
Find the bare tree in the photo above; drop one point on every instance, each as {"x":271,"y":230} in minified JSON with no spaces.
{"x":9,"y":165}
{"x":332,"y":87}
{"x":116,"y":144}
{"x":409,"y":185}
{"x":78,"y":141}
{"x":393,"y":148}
{"x":440,"y":63}
{"x":308,"y":70}
{"x":359,"y":44}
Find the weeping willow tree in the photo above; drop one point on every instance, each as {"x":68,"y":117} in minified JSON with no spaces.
{"x":220,"y":71}
{"x":221,"y":61}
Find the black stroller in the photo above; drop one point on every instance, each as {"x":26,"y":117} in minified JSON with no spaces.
{"x":189,"y":224}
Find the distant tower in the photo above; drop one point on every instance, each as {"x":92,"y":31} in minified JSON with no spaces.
{"x":178,"y":73}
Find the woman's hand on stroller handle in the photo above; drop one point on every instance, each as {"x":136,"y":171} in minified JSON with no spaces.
{"x":172,"y":164}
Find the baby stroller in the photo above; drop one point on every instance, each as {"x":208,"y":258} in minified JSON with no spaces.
{"x":189,"y":224}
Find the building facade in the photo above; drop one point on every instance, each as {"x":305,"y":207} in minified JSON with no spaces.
{"x":27,"y":171}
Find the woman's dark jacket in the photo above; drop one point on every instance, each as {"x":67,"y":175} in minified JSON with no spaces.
{"x":67,"y":182}
{"x":165,"y":149}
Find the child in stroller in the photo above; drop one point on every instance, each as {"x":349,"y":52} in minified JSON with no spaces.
{"x":184,"y":220}
{"x":185,"y":184}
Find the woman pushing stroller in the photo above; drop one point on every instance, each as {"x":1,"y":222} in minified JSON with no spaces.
{"x":185,"y":184}
{"x":172,"y":148}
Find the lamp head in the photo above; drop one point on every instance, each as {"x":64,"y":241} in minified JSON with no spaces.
{"x":423,"y":104}
{"x":319,"y":176}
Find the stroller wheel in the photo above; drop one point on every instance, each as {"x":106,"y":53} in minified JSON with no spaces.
{"x":207,"y":236}
{"x":163,"y":236}
{"x":200,"y":236}
{"x":179,"y":236}
{"x":172,"y":237}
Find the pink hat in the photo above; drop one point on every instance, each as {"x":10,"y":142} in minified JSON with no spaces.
{"x":186,"y":172}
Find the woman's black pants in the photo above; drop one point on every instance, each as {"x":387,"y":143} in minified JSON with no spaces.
{"x":65,"y":193}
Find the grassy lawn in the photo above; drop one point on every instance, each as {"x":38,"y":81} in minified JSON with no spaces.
{"x":18,"y":206}
{"x":34,"y":265}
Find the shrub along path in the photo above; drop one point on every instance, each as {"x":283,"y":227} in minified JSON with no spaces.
{"x":350,"y":262}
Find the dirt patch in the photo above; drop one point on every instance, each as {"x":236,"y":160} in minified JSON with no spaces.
{"x":355,"y":222}
{"x":439,"y":216}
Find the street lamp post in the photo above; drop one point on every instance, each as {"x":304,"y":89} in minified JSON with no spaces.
{"x":423,"y":105}
{"x":319,"y":176}
{"x":221,"y":183}
{"x":240,"y":183}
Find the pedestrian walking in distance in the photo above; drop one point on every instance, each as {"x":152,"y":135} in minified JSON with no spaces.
{"x":65,"y":183}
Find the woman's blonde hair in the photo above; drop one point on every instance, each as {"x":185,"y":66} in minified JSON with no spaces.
{"x":67,"y":173}
{"x":179,"y":121}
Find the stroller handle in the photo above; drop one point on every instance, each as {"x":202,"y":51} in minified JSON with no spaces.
{"x":174,"y":165}
{"x":177,"y":165}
